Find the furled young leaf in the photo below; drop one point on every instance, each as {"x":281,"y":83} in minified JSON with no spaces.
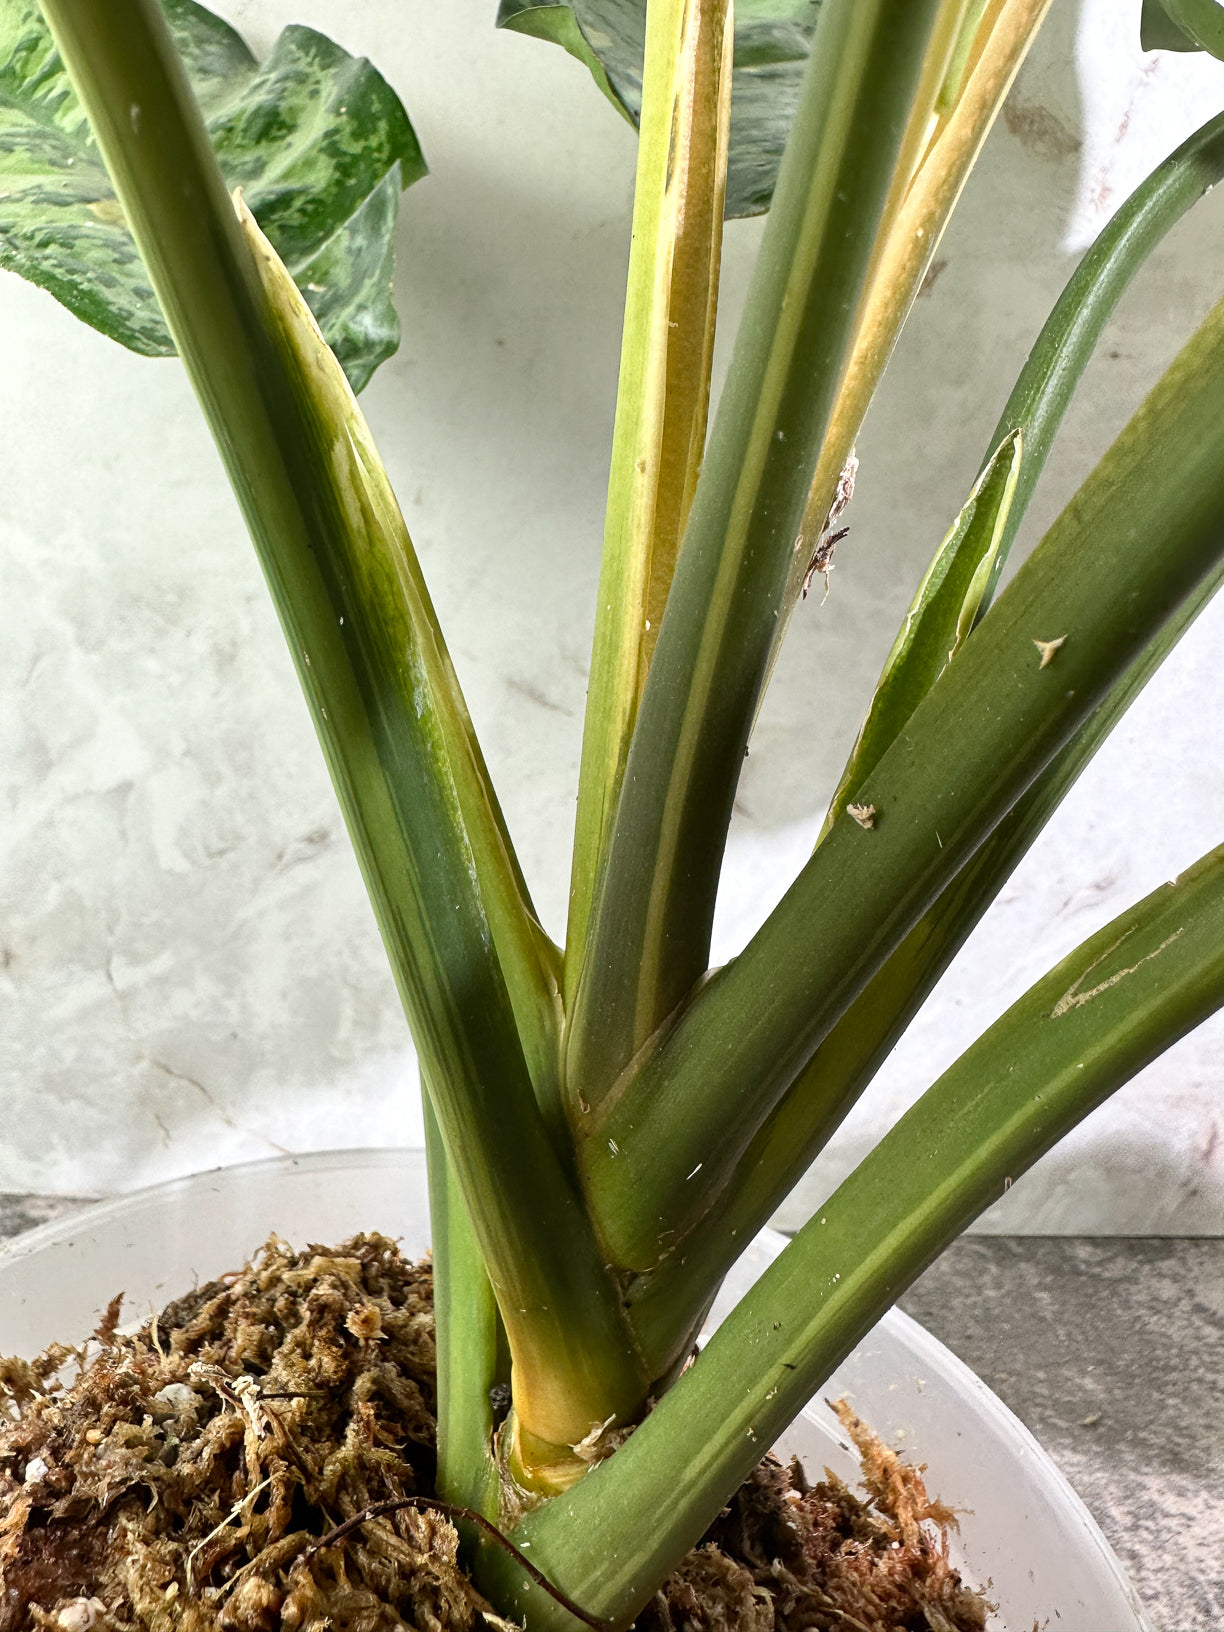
{"x":662,"y":400}
{"x":1182,"y":25}
{"x":772,"y":40}
{"x":316,"y":138}
{"x":939,"y":620}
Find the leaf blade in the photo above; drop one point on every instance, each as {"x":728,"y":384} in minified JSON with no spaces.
{"x":1183,"y":25}
{"x":553,"y":20}
{"x":772,"y":44}
{"x":314,"y":136}
{"x":1158,"y":31}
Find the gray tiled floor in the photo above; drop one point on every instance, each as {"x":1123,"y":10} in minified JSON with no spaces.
{"x":19,"y":1213}
{"x":1112,"y":1351}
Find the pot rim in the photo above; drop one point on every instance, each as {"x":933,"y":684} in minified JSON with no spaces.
{"x":898,"y":1344}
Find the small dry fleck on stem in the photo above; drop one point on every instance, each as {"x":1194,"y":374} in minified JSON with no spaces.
{"x":1048,"y":649}
{"x":822,"y":561}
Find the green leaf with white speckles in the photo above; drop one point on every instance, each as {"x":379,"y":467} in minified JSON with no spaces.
{"x":772,"y":41}
{"x":317,"y":140}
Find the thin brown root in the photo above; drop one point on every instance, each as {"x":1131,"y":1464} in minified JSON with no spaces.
{"x":450,"y":1511}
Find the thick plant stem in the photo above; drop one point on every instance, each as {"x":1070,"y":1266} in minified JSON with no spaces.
{"x":666,"y":1304}
{"x":386,"y":707}
{"x":649,"y":933}
{"x":1077,"y":615}
{"x":911,"y":235}
{"x":467,"y":1327}
{"x":1107,"y":1010}
{"x":662,"y":399}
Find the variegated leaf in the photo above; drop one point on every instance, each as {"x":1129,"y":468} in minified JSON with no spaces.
{"x":318,"y":141}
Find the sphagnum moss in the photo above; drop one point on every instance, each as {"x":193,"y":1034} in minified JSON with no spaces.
{"x":244,"y":1463}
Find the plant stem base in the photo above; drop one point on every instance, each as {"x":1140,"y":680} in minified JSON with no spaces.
{"x":199,"y":1473}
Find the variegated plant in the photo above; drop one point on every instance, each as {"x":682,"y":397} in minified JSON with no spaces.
{"x":607,"y":1124}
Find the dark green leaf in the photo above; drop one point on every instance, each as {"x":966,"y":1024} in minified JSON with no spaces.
{"x":347,"y":283}
{"x":1182,"y":25}
{"x":772,"y":40}
{"x":1158,"y":31}
{"x":553,"y":20}
{"x":316,"y":138}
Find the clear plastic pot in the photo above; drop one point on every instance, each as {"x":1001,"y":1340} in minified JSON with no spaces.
{"x":1024,"y":1532}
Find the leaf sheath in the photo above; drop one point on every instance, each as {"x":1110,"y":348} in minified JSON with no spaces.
{"x":1143,"y":533}
{"x":662,"y":399}
{"x":1005,"y":31}
{"x":650,"y":929}
{"x":467,"y":955}
{"x":1107,"y":1010}
{"x":666,"y":1305}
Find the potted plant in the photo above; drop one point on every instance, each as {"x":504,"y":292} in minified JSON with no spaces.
{"x":607,"y":1126}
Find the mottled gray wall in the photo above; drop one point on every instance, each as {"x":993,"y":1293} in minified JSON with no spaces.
{"x":189,"y":973}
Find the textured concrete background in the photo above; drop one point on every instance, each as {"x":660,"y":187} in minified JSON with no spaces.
{"x":189,"y":973}
{"x":1112,"y":1353}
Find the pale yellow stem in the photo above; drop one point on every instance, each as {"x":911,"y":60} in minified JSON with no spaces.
{"x":910,"y":238}
{"x":663,"y":394}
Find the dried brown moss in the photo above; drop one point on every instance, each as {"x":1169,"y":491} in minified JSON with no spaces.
{"x":182,"y":1481}
{"x":786,"y":1556}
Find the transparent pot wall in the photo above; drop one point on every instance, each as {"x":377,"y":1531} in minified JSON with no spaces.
{"x":1022,"y":1526}
{"x":189,"y":973}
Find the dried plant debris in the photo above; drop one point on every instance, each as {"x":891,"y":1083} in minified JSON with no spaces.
{"x":181,"y":1479}
{"x":786,"y":1556}
{"x":178,"y":1483}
